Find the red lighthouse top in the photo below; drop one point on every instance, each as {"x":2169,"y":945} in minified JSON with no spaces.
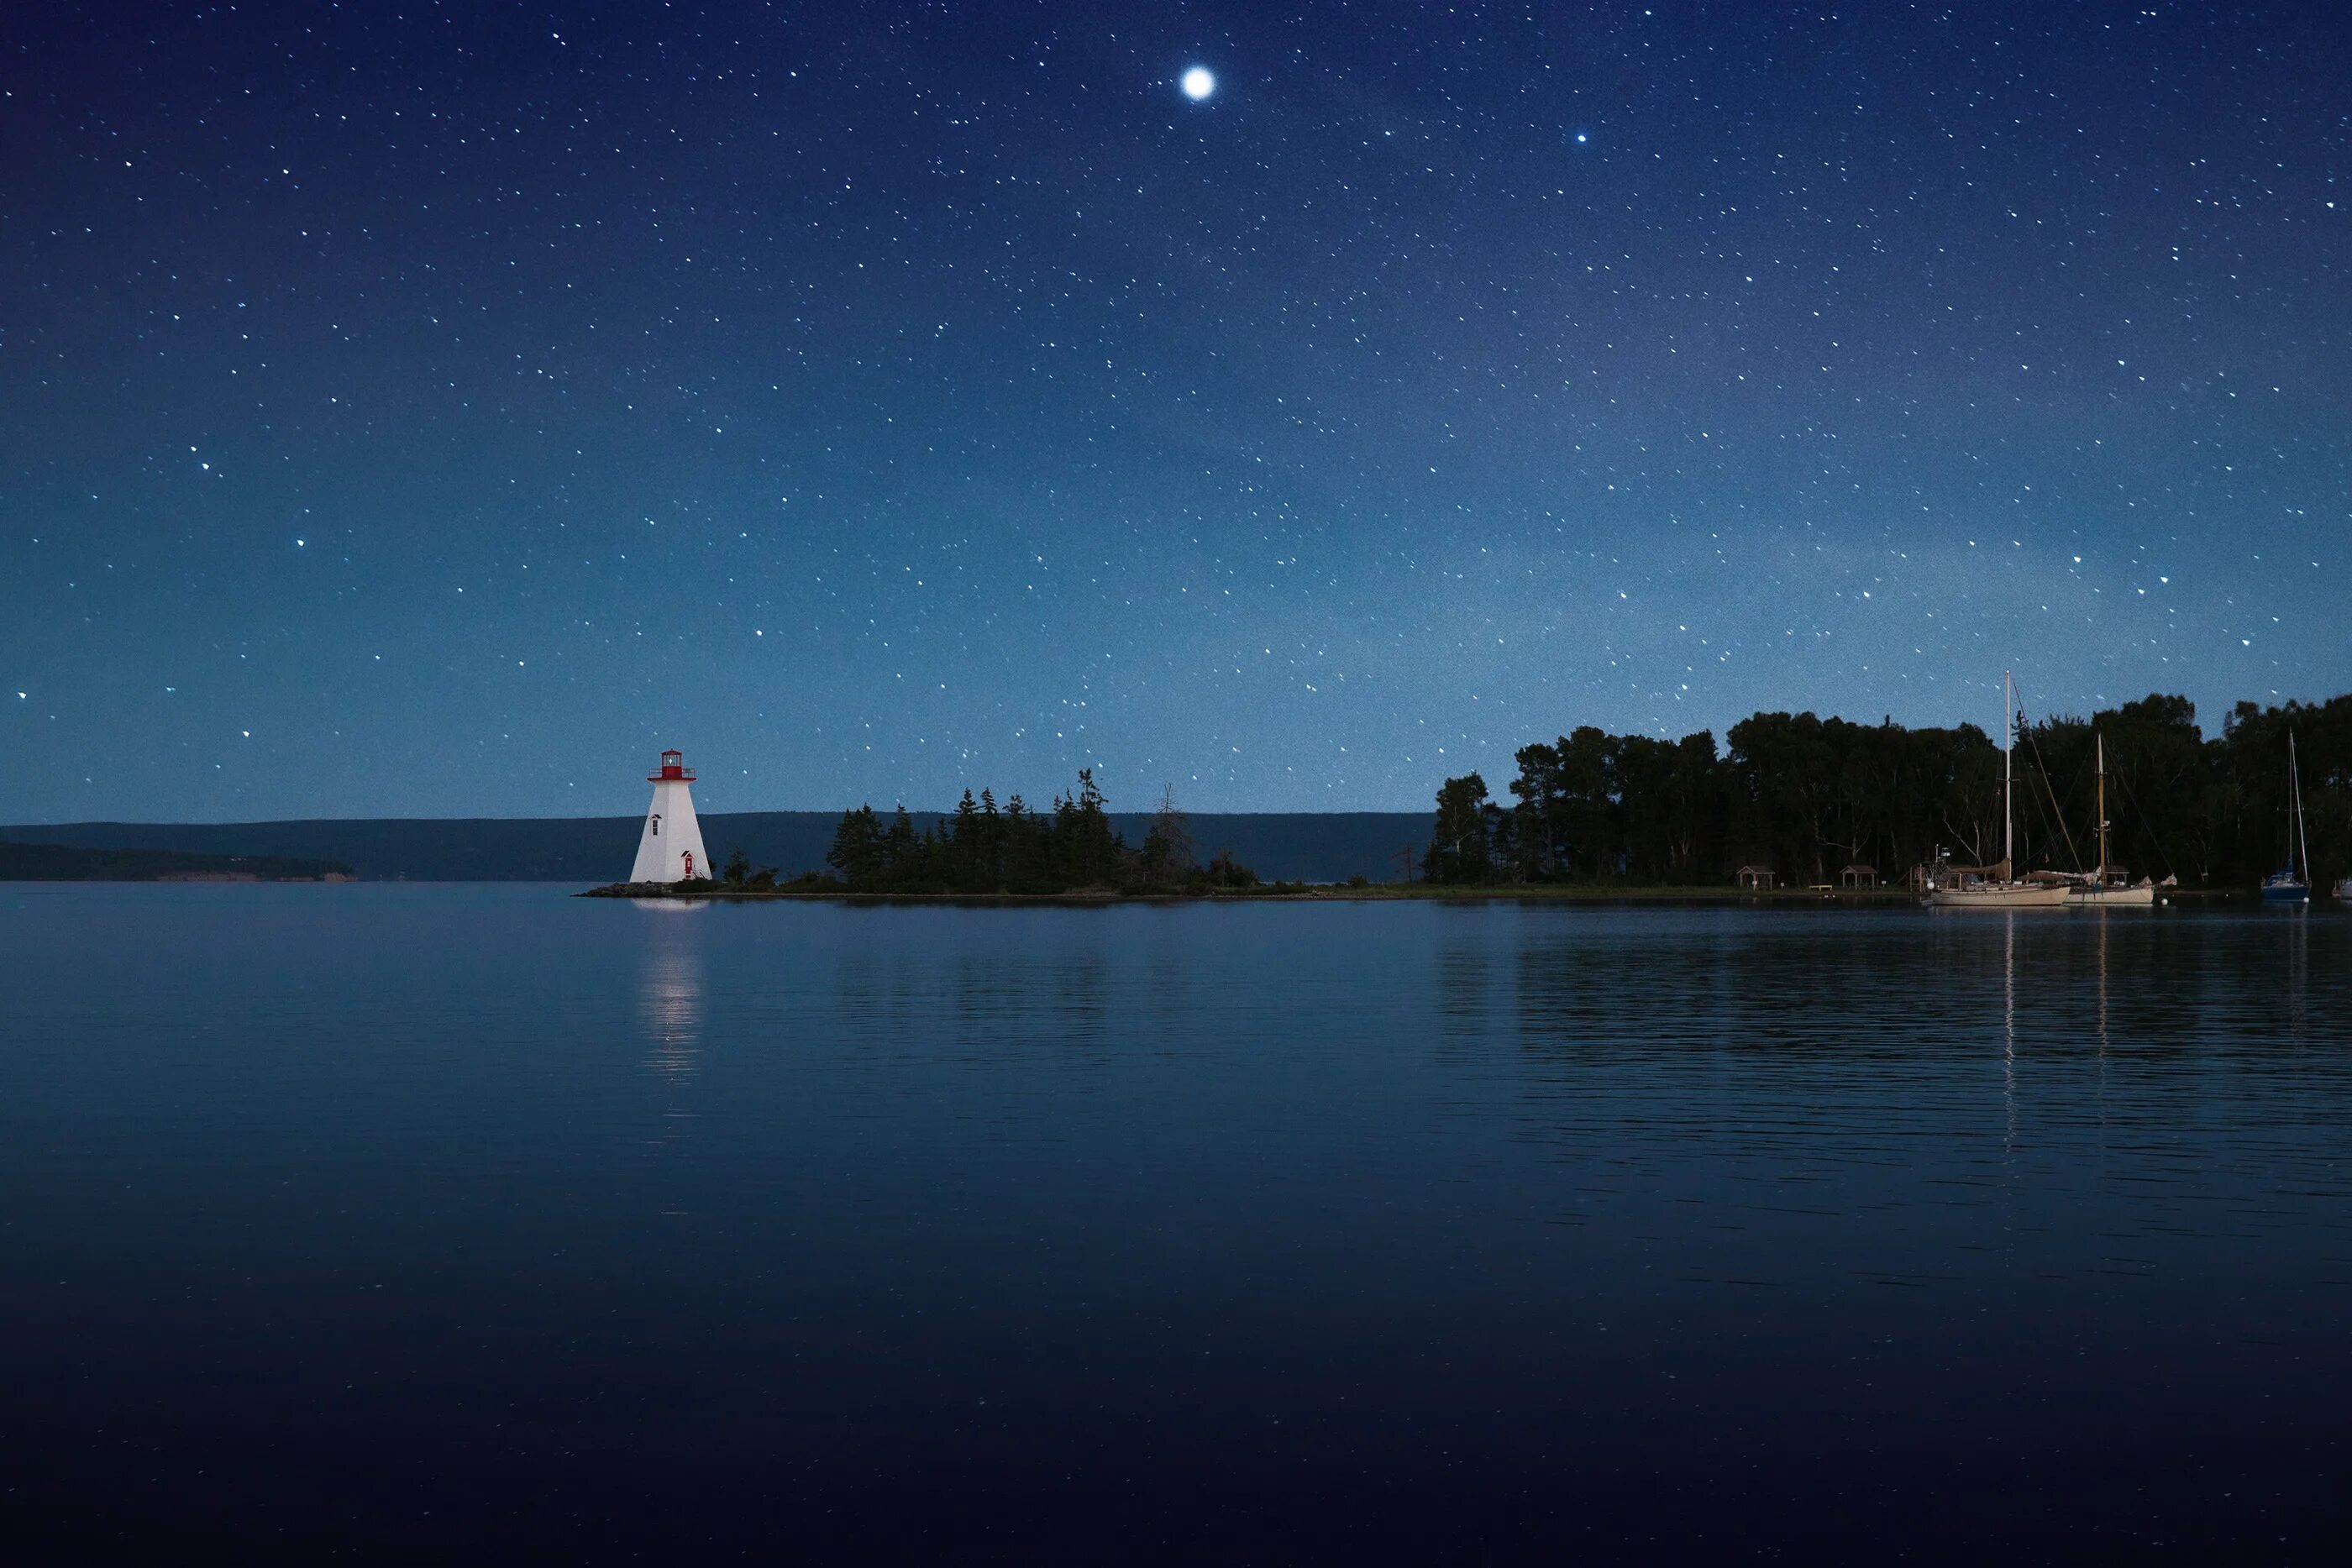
{"x":673,"y":767}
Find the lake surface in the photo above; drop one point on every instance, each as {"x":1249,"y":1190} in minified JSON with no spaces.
{"x":403,"y":1221}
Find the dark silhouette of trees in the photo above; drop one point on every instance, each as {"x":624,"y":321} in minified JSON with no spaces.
{"x":1461,"y":850}
{"x":1227,"y":874}
{"x":978,"y":849}
{"x":739,"y":874}
{"x":1168,"y":855}
{"x":1808,"y":796}
{"x":2250,"y":799}
{"x":856,"y":851}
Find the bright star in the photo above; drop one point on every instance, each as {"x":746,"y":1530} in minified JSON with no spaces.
{"x":1198,"y":83}
{"x":1582,"y":139}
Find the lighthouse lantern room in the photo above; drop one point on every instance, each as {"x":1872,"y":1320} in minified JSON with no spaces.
{"x":669,"y":847}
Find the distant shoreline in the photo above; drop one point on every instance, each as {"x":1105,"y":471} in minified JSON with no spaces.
{"x":1390,"y":892}
{"x":66,"y":862}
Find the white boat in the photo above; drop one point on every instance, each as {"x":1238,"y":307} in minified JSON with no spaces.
{"x":2097,"y":891}
{"x":1999,"y":895}
{"x":1993,"y":886}
{"x":2344,"y":889}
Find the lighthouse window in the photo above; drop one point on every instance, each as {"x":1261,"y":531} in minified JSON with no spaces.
{"x":657,"y":824}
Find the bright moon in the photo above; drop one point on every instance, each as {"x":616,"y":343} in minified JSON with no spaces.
{"x":1198,"y":83}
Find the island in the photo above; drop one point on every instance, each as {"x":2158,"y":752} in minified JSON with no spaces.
{"x":1069,"y":850}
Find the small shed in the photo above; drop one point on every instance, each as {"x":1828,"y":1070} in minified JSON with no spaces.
{"x":1858,"y":875}
{"x":1757,"y":878}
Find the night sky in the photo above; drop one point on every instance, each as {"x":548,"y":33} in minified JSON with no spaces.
{"x":437,"y":409}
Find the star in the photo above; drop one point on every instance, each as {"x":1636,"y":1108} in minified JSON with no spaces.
{"x":1198,"y":83}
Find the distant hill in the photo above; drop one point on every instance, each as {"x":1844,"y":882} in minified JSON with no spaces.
{"x":1303,"y":846}
{"x":67,"y":862}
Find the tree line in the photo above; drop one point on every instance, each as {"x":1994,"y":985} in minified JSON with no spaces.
{"x":1806,"y":797}
{"x":1069,"y":847}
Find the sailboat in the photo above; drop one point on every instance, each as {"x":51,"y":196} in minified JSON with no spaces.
{"x":2098,"y":891}
{"x":2290,"y":884}
{"x":1967,"y":887}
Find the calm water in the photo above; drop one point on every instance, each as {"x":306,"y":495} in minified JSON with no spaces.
{"x":389,"y":1221}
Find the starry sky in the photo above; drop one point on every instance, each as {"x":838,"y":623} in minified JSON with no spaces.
{"x":437,"y":409}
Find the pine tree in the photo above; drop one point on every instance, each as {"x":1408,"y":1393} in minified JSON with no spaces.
{"x":856,"y":851}
{"x":963,"y":845}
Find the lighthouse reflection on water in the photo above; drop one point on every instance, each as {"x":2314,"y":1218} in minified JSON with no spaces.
{"x":669,"y":1013}
{"x":669,"y":997}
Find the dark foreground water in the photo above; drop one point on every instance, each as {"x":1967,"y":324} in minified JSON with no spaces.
{"x":414,"y":1223}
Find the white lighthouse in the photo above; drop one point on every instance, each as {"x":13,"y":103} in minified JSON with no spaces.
{"x":670,"y":847}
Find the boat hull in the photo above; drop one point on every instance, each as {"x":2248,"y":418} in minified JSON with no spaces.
{"x":2140,"y":897}
{"x":2033,"y":896}
{"x":2286,"y":893}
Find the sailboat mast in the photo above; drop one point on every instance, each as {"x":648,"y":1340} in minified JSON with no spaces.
{"x":2101,"y":880}
{"x":2007,"y":816}
{"x":2294,"y":782}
